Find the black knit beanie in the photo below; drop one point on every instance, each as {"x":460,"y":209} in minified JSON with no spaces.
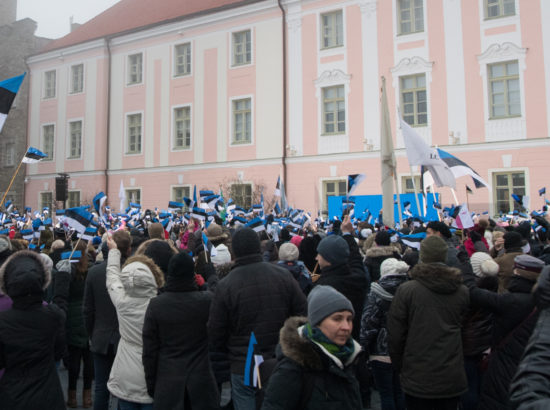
{"x":245,"y":242}
{"x":161,"y":252}
{"x":181,"y":265}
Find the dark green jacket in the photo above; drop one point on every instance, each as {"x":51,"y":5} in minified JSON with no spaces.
{"x":334,"y":387}
{"x":424,"y":332}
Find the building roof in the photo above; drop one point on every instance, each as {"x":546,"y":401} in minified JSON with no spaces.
{"x":131,"y":15}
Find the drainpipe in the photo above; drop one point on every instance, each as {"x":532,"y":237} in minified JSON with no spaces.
{"x":108,"y":142}
{"x":285,"y":134}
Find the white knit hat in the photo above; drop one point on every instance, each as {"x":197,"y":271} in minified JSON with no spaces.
{"x":483,"y":264}
{"x":392,"y":266}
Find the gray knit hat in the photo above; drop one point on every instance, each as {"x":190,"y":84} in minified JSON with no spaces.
{"x":334,"y":249}
{"x":323,"y":301}
{"x":433,"y":249}
{"x":288,"y":252}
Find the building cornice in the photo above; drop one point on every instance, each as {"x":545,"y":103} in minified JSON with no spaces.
{"x":68,"y":51}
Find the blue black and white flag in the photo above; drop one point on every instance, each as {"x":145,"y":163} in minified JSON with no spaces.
{"x":353,"y":182}
{"x":27,"y":234}
{"x":33,"y":155}
{"x":88,"y":233}
{"x":230,"y":207}
{"x":278,"y":187}
{"x":407,"y":209}
{"x":74,"y":257}
{"x":542,"y":191}
{"x":78,"y":218}
{"x":8,"y":91}
{"x":413,"y":240}
{"x":198,"y":213}
{"x":208,"y":247}
{"x":256,"y":224}
{"x":99,"y":202}
{"x":174,"y":206}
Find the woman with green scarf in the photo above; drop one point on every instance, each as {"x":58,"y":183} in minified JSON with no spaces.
{"x":316,"y":358}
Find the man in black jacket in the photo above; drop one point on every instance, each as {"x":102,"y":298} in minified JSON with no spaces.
{"x":101,"y":322}
{"x":256,"y":297}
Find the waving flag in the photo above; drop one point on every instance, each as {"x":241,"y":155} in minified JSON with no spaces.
{"x":256,"y":224}
{"x":8,"y":91}
{"x":33,"y":156}
{"x":88,"y":233}
{"x":278,"y":187}
{"x":208,"y":247}
{"x":542,"y":191}
{"x":78,"y":218}
{"x":353,"y":182}
{"x":459,"y":169}
{"x":99,"y":202}
{"x":73,"y":256}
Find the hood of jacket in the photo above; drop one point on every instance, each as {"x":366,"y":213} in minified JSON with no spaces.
{"x":141,"y":277}
{"x":378,"y":251}
{"x":437,"y":277}
{"x":387,"y":286}
{"x":28,"y":273}
{"x":303,"y":351}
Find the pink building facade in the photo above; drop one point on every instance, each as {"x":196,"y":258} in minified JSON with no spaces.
{"x":236,"y":94}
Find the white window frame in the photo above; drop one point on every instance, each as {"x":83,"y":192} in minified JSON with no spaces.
{"x":511,"y":128}
{"x":46,"y":89}
{"x":234,"y":65}
{"x":501,"y":6}
{"x":413,"y":23}
{"x":322,"y":197}
{"x":41,"y":203}
{"x":69,"y":122}
{"x":182,"y":186}
{"x":71,"y":79}
{"x":127,"y":134}
{"x":251,"y":193}
{"x":232,"y":120}
{"x":415,"y":91}
{"x":322,"y":29}
{"x":74,"y":191}
{"x":336,"y":132}
{"x":128,"y":199}
{"x":175,"y":73}
{"x":130,"y":83}
{"x":491,"y":174}
{"x":173,"y":126}
{"x":42,"y":145}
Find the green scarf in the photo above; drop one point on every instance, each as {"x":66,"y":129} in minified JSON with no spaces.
{"x":341,"y":352}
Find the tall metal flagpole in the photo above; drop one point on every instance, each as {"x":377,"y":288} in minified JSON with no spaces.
{"x":388,"y":163}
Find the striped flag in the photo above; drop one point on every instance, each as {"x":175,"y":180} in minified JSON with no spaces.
{"x":353,"y":182}
{"x":256,"y":224}
{"x":78,"y":218}
{"x":75,"y":257}
{"x":99,"y":202}
{"x":8,"y":91}
{"x":208,"y":247}
{"x":413,"y":240}
{"x":88,"y":233}
{"x":33,"y":156}
{"x":278,"y":187}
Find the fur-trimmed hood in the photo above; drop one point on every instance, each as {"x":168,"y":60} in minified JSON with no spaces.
{"x":302,"y":350}
{"x":42,"y":276}
{"x":378,"y":251}
{"x":437,"y":277}
{"x":136,"y":275}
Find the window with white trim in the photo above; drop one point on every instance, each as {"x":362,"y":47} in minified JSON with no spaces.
{"x":133,"y":132}
{"x":135,"y":69}
{"x":414,"y":102}
{"x":504,"y":90}
{"x":46,"y":200}
{"x":182,"y":59}
{"x":499,"y":8}
{"x":49,"y":84}
{"x":407,"y":186}
{"x":334,"y":110}
{"x":77,"y":78}
{"x":178,"y":192}
{"x":333,"y":188}
{"x":48,"y":135}
{"x":73,"y":199}
{"x":133,"y":196}
{"x":332,"y":29}
{"x":182,"y":128}
{"x":75,"y":139}
{"x":242,"y":47}
{"x":242,"y":195}
{"x":242,"y":121}
{"x":505,"y":184}
{"x":410,"y":15}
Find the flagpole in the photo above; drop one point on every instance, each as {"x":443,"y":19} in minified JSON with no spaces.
{"x":76,"y":244}
{"x":415,"y":192}
{"x":12,"y":179}
{"x":467,"y":199}
{"x":454,"y":196}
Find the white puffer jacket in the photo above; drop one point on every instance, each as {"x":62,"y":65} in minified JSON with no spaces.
{"x":130,"y":289}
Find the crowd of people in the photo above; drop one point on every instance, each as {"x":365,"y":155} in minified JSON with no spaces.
{"x":318,"y":316}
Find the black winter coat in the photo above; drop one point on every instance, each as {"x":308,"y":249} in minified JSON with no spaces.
{"x":530,"y":388}
{"x":351,"y":284}
{"x":334,"y":386}
{"x":256,"y":297}
{"x":32,"y":339}
{"x":511,"y":331}
{"x":375,"y":256}
{"x":99,"y":312}
{"x":374,"y":332}
{"x":424,"y":324}
{"x":175,"y":349}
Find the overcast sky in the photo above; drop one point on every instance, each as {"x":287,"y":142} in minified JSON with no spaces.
{"x":53,"y":16}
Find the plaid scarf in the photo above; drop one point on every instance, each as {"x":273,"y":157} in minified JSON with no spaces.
{"x":341,"y":352}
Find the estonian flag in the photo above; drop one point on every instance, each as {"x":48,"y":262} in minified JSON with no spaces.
{"x":75,"y":257}
{"x":353,"y":181}
{"x":407,"y":209}
{"x":469,"y":190}
{"x":256,"y":224}
{"x":173,"y":205}
{"x":8,"y":91}
{"x":542,"y":191}
{"x":278,"y":187}
{"x":27,"y":234}
{"x":198,"y":213}
{"x":459,"y":168}
{"x":78,"y":218}
{"x":99,"y":201}
{"x":208,"y":247}
{"x":413,"y":241}
{"x":33,"y":155}
{"x":88,"y":234}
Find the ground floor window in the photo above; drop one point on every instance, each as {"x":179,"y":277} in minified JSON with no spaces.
{"x":505,"y":184}
{"x":333,"y":188}
{"x":242,"y":195}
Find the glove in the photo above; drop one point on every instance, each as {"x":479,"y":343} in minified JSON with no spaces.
{"x":64,"y":266}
